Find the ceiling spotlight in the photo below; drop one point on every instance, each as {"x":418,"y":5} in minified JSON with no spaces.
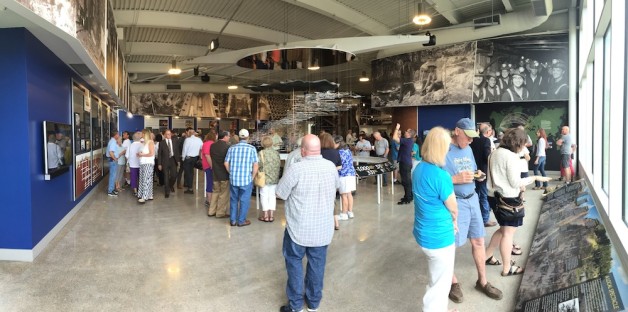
{"x":421,"y":18}
{"x":232,"y":87}
{"x":174,"y":70}
{"x":129,"y":115}
{"x":213,"y":45}
{"x":196,"y":71}
{"x":364,"y":77}
{"x":205,"y":78}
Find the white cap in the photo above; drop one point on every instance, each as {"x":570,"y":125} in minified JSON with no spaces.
{"x":244,"y":133}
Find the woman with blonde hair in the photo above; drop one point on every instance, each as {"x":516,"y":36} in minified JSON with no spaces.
{"x":435,"y":217}
{"x":269,"y":163}
{"x":147,"y":164}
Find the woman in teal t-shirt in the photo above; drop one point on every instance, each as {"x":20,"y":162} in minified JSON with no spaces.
{"x":435,"y":213}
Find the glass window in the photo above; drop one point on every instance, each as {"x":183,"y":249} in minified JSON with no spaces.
{"x":606,"y":111}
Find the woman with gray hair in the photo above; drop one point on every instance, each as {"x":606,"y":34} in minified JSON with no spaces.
{"x":269,"y":163}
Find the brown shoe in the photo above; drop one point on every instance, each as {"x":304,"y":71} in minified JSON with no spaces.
{"x":220,"y":217}
{"x":489,"y":290}
{"x":455,"y":293}
{"x":490,"y":223}
{"x":246,"y":222}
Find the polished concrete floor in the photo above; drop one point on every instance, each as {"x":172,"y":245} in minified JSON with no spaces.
{"x":167,"y":255}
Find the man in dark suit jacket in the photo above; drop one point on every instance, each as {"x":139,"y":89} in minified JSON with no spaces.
{"x":168,"y":157}
{"x":481,"y":147}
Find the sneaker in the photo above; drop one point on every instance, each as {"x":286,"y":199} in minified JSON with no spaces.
{"x":287,"y":308}
{"x":488,"y":290}
{"x":115,"y":192}
{"x":350,"y":214}
{"x":343,"y":217}
{"x":455,"y":293}
{"x":312,"y":310}
{"x":141,"y":200}
{"x":112,"y":194}
{"x":206,"y":204}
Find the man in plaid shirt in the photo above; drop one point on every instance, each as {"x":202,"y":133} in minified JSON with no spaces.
{"x":309,"y":189}
{"x":241,"y":162}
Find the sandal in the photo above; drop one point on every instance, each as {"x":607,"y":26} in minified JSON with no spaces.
{"x":515,"y":246}
{"x":271,"y":219}
{"x":516,"y":252}
{"x":261,"y":218}
{"x":514,"y":270}
{"x":493,"y":261}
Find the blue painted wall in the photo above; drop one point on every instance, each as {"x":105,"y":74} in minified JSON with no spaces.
{"x":49,"y":98}
{"x":136,"y":123}
{"x":15,"y":211}
{"x":445,"y":116}
{"x":38,"y":89}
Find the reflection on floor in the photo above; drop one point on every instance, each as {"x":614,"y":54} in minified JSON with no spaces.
{"x":167,"y":255}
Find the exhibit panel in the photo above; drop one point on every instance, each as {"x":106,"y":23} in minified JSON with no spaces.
{"x":573,"y":265}
{"x":82,"y":131}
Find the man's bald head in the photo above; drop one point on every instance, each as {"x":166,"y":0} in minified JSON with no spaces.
{"x":310,"y":145}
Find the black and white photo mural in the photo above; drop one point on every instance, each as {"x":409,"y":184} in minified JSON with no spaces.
{"x":523,"y":68}
{"x":513,"y":69}
{"x":440,"y":75}
{"x":190,"y":104}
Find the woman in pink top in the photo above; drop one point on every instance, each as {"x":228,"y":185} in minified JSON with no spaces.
{"x":210,"y":138}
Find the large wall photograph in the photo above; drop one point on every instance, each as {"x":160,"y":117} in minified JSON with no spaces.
{"x":441,"y":75}
{"x":524,"y":68}
{"x":189,"y":104}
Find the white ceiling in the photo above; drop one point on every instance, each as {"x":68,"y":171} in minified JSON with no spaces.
{"x":154,"y":32}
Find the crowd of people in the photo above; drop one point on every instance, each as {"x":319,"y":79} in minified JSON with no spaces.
{"x":464,"y":175}
{"x":455,"y":179}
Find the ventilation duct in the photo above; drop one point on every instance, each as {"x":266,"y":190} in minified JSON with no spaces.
{"x":173,"y":87}
{"x":487,"y":21}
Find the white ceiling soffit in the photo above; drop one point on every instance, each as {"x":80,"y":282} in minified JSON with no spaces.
{"x":185,"y":87}
{"x":508,"y":5}
{"x":342,"y":13}
{"x":353,"y":45}
{"x":514,"y":22}
{"x":153,"y":48}
{"x":126,"y":18}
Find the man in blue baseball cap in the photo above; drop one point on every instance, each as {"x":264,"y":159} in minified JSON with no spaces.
{"x":461,"y":165}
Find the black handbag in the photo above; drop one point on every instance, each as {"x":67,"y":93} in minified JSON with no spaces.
{"x":198,"y":164}
{"x":506,"y":208}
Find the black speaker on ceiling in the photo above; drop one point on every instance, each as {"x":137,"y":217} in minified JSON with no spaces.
{"x":196,"y":71}
{"x":205,"y":78}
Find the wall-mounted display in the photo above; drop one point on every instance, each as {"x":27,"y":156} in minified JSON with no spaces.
{"x":57,"y":148}
{"x":82,"y":135}
{"x":112,"y":49}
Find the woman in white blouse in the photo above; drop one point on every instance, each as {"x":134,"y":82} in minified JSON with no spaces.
{"x":505,"y":178}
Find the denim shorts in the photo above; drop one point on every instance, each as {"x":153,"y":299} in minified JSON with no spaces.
{"x":470,"y":222}
{"x":565,"y":160}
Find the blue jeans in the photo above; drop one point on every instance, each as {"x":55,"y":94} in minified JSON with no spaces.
{"x":316,"y":258}
{"x":241,"y":194}
{"x":482,"y":190}
{"x":113,"y":166}
{"x":540,"y":167}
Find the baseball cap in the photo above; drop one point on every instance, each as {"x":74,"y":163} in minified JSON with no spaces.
{"x":468,"y":127}
{"x":244,"y":133}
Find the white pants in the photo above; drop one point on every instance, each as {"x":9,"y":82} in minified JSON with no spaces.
{"x":267,"y":197}
{"x":440,"y":263}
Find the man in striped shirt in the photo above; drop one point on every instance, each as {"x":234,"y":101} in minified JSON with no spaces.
{"x":309,"y":189}
{"x":241,"y":162}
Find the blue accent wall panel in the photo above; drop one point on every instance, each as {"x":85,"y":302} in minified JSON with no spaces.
{"x":15,"y":211}
{"x":445,"y":116}
{"x":136,"y":123}
{"x":49,"y":88}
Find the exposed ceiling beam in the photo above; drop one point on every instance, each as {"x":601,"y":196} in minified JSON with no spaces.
{"x":129,"y":18}
{"x":344,"y":14}
{"x":508,"y":5}
{"x":447,"y":9}
{"x":170,"y":49}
